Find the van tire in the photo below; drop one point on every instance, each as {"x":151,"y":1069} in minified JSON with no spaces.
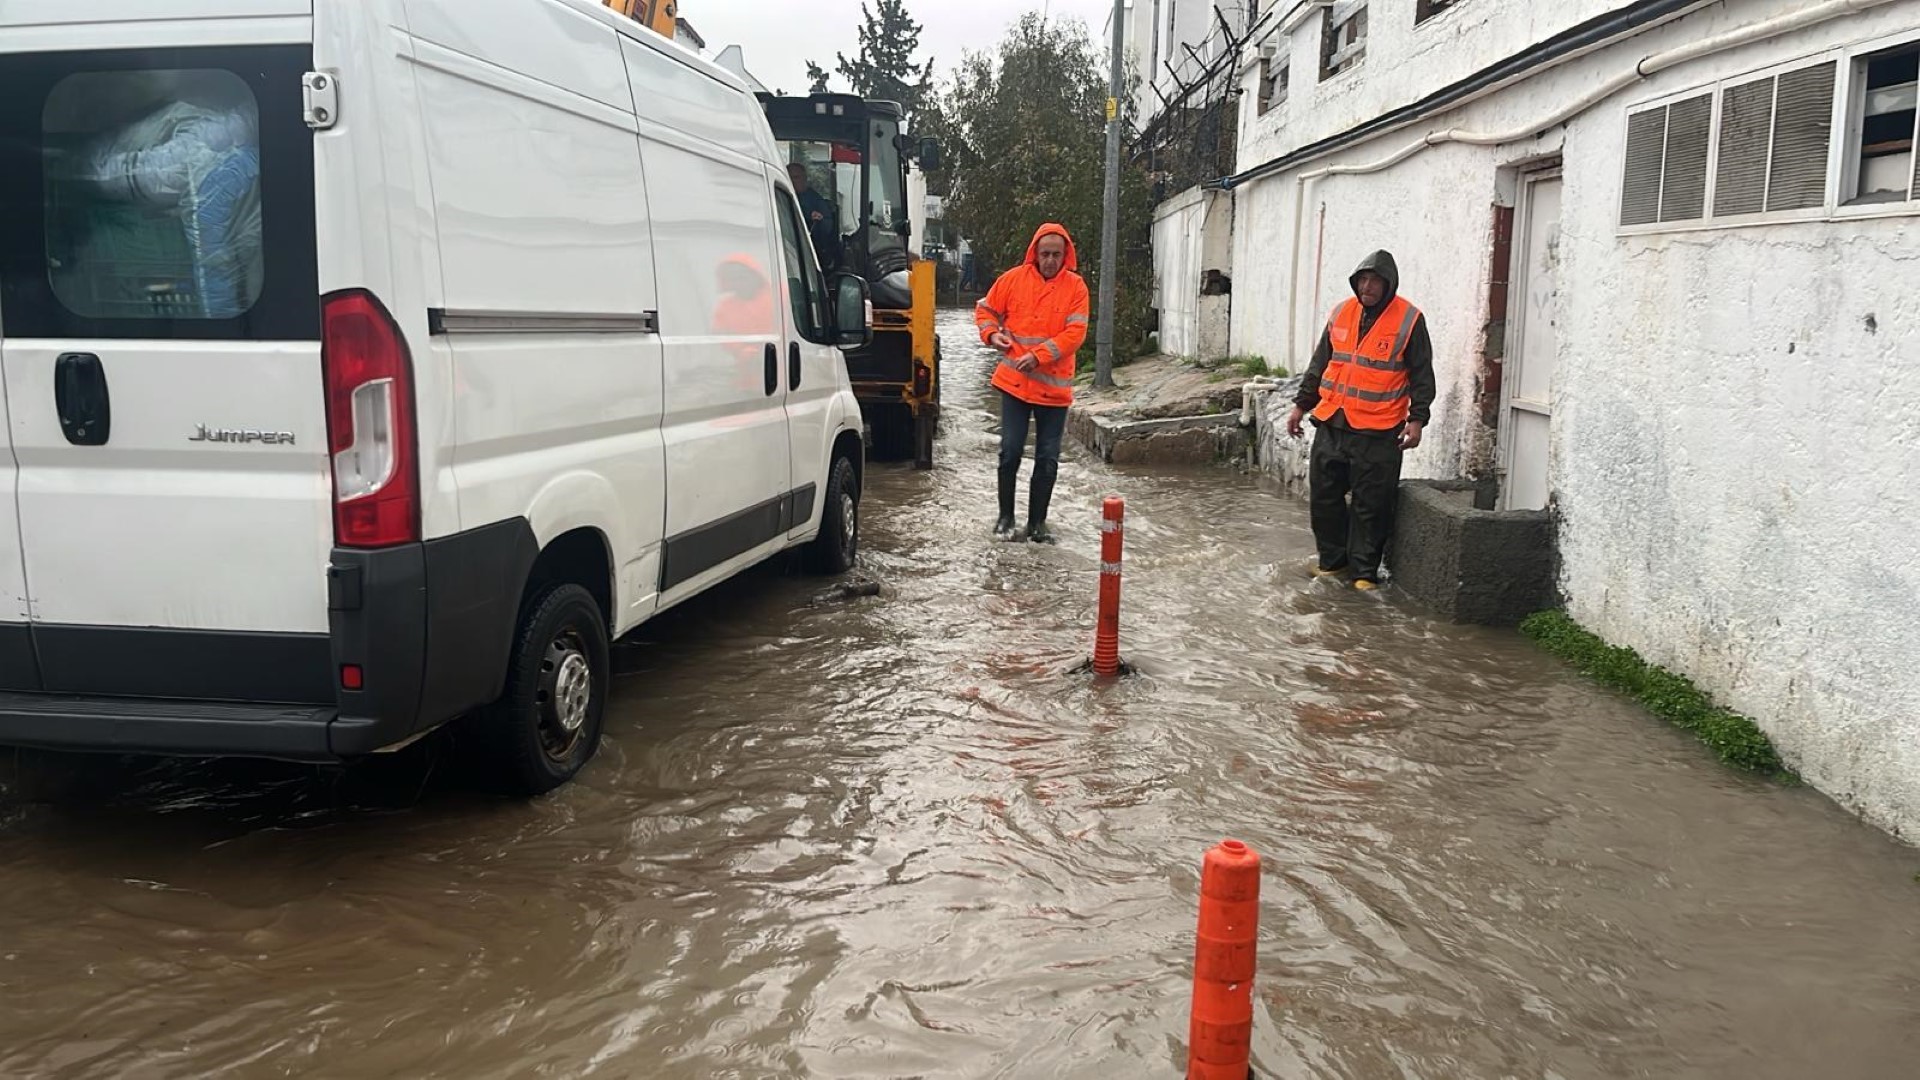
{"x":838,"y":545}
{"x":546,"y":726}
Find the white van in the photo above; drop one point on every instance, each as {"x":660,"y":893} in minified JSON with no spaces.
{"x":370,"y":364}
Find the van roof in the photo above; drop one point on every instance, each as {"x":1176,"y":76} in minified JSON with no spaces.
{"x":632,"y":30}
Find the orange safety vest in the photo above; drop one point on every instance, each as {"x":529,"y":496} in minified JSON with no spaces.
{"x":1368,"y":378}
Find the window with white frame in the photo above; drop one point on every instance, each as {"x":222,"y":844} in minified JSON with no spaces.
{"x":1776,"y":135}
{"x":1880,"y":160}
{"x":1759,"y":147}
{"x":1273,"y":83}
{"x":1667,"y":150}
{"x":1427,"y":9}
{"x":1343,"y":40}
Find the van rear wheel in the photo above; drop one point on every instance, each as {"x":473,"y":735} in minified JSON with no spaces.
{"x":546,"y":726}
{"x":838,"y":545}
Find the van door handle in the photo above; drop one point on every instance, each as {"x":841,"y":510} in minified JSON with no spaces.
{"x":773,"y":368}
{"x":793,"y":365}
{"x":80,"y":396}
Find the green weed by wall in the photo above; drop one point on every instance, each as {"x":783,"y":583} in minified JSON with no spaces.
{"x":1736,"y":739}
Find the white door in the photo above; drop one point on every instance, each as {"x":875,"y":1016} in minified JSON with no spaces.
{"x":725,"y":358}
{"x":810,"y":375}
{"x":1526,"y":392}
{"x":161,"y":363}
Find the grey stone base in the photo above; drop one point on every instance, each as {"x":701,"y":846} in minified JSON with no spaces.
{"x":1183,"y":440}
{"x":1471,"y":565}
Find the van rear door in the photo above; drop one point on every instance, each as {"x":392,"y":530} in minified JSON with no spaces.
{"x":161,"y":357}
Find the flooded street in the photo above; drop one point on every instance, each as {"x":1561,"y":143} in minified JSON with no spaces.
{"x":899,"y":837}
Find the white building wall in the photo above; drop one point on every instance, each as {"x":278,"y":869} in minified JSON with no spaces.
{"x":1178,"y":232}
{"x":1404,"y":62}
{"x":1736,"y":430}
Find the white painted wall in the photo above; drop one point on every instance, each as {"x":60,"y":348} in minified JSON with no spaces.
{"x":1736,"y":455}
{"x":1404,"y":62}
{"x":1192,"y":234}
{"x":1178,"y":232}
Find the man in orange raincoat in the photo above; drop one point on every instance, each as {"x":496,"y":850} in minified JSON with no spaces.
{"x":1036,"y":317}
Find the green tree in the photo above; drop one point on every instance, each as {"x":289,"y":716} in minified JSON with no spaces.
{"x":1026,"y":144}
{"x":884,"y":66}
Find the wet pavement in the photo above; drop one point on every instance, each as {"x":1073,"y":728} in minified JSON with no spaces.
{"x":898,"y":837}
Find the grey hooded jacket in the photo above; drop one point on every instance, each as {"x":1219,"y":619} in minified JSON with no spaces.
{"x":1419,"y":356}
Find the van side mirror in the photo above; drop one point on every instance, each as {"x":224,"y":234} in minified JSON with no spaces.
{"x":852,"y":314}
{"x":929,"y":155}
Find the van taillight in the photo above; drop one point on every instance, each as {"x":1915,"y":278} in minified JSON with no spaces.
{"x":370,"y":423}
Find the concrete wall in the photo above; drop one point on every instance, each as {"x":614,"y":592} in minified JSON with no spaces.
{"x":1404,"y":62}
{"x":1192,"y":236}
{"x":1178,"y":233}
{"x":1215,"y":308}
{"x":1736,"y":434}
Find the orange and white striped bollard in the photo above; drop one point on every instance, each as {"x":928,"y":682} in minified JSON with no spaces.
{"x":1106,"y":639}
{"x":1220,"y":1031}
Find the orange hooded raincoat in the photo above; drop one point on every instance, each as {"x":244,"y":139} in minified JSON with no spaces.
{"x":1046,"y":319}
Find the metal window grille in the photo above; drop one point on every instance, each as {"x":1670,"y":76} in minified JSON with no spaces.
{"x":1683,"y":177}
{"x":1646,"y":155}
{"x":1665,"y":177}
{"x":1913,"y":191}
{"x":1775,"y":137}
{"x":1746,"y":137}
{"x":1802,"y":137}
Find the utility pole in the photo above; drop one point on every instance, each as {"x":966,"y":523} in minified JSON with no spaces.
{"x":1110,"y":216}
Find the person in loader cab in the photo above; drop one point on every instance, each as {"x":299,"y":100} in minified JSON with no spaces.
{"x":1370,"y":392}
{"x":1035,"y":316}
{"x":822,"y":221}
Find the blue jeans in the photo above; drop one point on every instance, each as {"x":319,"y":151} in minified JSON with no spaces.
{"x":1050,"y":426}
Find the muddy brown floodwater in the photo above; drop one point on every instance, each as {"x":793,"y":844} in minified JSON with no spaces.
{"x":898,"y":837}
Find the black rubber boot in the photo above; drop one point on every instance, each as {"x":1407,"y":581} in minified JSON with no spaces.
{"x":1009,"y":478}
{"x":1039,"y":499}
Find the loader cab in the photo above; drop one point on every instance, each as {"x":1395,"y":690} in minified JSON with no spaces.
{"x":856,"y":158}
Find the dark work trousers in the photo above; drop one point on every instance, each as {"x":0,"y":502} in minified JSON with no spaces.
{"x":1365,"y":466}
{"x":1050,"y":424}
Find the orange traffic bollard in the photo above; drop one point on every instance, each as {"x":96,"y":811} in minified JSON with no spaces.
{"x":1106,"y":640}
{"x":1220,"y":1034}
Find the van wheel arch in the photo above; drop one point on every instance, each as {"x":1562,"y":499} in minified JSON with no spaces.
{"x":581,"y":557}
{"x":849,"y":445}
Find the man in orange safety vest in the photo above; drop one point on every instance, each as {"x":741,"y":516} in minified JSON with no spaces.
{"x":1370,"y":390}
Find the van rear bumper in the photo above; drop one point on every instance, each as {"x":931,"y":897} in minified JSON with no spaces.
{"x":191,"y":728}
{"x":427,"y":629}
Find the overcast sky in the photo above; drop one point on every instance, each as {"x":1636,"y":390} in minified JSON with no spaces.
{"x":780,"y":36}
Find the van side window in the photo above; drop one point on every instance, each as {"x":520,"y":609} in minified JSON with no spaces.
{"x":152,"y":194}
{"x":160,"y":193}
{"x":806,"y":287}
